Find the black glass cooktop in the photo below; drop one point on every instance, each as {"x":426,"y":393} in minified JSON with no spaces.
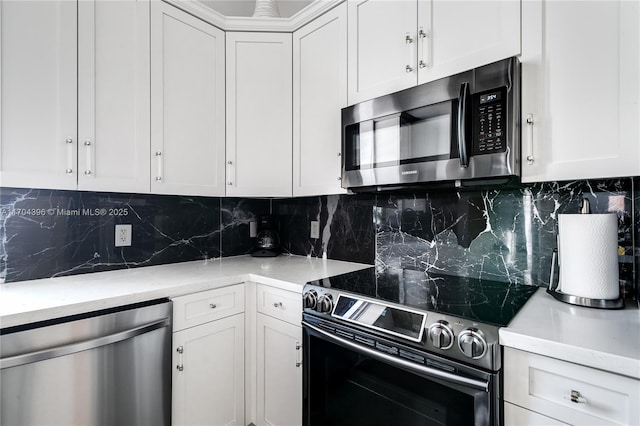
{"x":485,"y":301}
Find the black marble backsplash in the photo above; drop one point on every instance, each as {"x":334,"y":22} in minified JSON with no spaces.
{"x":46,"y":233}
{"x":505,"y":235}
{"x":502,"y":235}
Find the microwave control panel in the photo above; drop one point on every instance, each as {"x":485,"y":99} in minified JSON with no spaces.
{"x":489,"y":122}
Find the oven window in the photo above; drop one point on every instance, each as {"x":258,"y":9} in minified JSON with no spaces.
{"x":347,"y":388}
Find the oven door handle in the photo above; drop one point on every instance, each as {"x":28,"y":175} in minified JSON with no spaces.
{"x":482,"y":385}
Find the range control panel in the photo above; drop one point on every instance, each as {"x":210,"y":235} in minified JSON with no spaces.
{"x":489,"y":122}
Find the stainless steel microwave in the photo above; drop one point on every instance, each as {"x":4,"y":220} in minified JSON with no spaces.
{"x":459,"y":130}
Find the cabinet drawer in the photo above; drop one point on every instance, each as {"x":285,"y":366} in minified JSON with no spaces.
{"x":199,"y":308}
{"x":546,"y":385}
{"x":514,"y":415}
{"x":282,"y":304}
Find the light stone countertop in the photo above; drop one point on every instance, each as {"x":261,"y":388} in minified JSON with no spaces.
{"x":608,"y":340}
{"x":26,"y":302}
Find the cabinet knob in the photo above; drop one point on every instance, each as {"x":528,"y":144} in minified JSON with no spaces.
{"x":408,"y":39}
{"x":422,"y":64}
{"x":180,"y":367}
{"x":212,"y":305}
{"x":69,"y":140}
{"x":277,"y":305}
{"x":87,"y":172}
{"x":69,"y":171}
{"x":158,"y":153}
{"x":408,"y":68}
{"x":229,"y":162}
{"x":87,"y":143}
{"x":158,"y":178}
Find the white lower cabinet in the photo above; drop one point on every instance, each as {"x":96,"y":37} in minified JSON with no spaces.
{"x":541,"y":387}
{"x":518,"y":416}
{"x":237,"y":357}
{"x":279,"y":372}
{"x":208,"y":360}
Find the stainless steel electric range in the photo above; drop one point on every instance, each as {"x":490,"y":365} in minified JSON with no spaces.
{"x":400,"y":347}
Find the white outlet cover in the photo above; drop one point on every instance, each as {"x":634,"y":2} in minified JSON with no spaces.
{"x":315,"y":229}
{"x":123,"y":236}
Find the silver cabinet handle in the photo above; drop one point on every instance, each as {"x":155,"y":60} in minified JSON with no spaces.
{"x":409,"y":42}
{"x":422,"y":43}
{"x":277,"y":305}
{"x":229,"y":181}
{"x":159,"y":163}
{"x":575,"y":397}
{"x":89,"y":156}
{"x":530,"y":123}
{"x":298,"y":354}
{"x":69,"y":143}
{"x":44,"y":354}
{"x":213,"y":305}
{"x":180,"y":366}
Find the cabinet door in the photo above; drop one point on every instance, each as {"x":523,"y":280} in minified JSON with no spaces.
{"x":187,"y":104}
{"x":382,"y":47}
{"x":455,"y":36}
{"x":208,"y":373}
{"x":259,"y":109}
{"x":279,"y":370}
{"x":580,"y":90}
{"x":319,"y":92}
{"x":38,"y":80}
{"x":114,"y":98}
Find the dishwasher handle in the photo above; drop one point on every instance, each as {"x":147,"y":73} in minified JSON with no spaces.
{"x":16,"y":360}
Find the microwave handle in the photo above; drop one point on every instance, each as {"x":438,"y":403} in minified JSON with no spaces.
{"x":462,"y":124}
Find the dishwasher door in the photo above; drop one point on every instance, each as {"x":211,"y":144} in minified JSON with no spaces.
{"x":111,"y":367}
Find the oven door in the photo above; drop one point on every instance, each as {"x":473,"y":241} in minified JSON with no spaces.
{"x":349,"y":383}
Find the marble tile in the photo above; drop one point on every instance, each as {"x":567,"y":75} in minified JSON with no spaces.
{"x":47,"y":233}
{"x":346,"y":226}
{"x":502,"y":235}
{"x":236,"y":216}
{"x":636,"y":224}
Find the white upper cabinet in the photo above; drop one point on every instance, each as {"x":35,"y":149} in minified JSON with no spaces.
{"x":187,"y":104}
{"x":38,"y":80}
{"x":259,"y":114}
{"x":394,"y":45}
{"x":113,"y":97}
{"x":75,"y":95}
{"x":580,"y":90}
{"x":319,"y":93}
{"x":455,"y":36}
{"x":379,"y":47}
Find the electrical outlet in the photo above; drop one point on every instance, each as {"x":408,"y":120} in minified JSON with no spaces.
{"x":315,"y":229}
{"x":123,"y":235}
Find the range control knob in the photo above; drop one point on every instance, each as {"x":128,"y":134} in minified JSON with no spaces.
{"x":471,"y":342}
{"x":310,"y":299}
{"x":440,"y":335}
{"x":325,"y":304}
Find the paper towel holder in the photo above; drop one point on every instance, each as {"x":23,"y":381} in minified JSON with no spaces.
{"x":577,"y":300}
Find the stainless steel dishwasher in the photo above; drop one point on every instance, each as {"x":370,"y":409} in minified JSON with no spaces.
{"x":111,"y":367}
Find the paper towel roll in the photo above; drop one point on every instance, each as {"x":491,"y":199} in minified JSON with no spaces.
{"x":588,"y":255}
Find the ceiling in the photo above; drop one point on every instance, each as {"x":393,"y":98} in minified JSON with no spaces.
{"x":244,"y":8}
